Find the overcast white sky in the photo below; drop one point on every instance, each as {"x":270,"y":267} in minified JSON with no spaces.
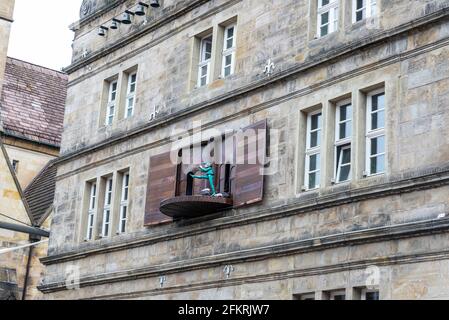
{"x":40,"y":32}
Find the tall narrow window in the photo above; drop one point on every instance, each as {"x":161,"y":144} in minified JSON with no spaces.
{"x":124,"y":204}
{"x":375,"y":136}
{"x":229,"y":51}
{"x":112,"y":97}
{"x":313,"y":151}
{"x":205,"y":60}
{"x":107,"y":208}
{"x":131,"y":95}
{"x":327,"y":17}
{"x":343,"y":142}
{"x":15,"y":166}
{"x":363,"y":9}
{"x":91,"y":211}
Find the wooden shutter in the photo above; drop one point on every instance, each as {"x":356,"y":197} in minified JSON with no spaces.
{"x":161,"y":186}
{"x":249,"y":182}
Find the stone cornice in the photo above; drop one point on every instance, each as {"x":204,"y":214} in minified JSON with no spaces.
{"x":394,"y":232}
{"x":279,"y":276}
{"x":301,"y":206}
{"x":97,"y":13}
{"x":281,"y":76}
{"x":162,"y":21}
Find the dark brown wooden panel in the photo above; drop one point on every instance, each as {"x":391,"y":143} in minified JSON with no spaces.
{"x":161,"y":186}
{"x":249,"y":182}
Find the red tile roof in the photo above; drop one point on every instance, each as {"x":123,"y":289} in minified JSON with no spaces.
{"x":32,"y":102}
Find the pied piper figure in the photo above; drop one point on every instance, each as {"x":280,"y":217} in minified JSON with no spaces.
{"x":208,"y":170}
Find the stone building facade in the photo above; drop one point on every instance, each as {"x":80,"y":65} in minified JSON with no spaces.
{"x":355,"y":97}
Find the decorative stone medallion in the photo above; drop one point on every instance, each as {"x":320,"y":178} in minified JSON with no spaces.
{"x":86,"y":8}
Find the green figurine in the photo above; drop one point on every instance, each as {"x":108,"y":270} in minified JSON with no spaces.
{"x":208,"y":170}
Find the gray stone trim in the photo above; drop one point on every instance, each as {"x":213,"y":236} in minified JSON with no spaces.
{"x":301,"y":206}
{"x":387,"y":233}
{"x":282,"y":76}
{"x":279,"y":276}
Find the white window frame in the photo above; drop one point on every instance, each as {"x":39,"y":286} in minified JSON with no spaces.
{"x":124,"y":203}
{"x":107,"y":219}
{"x":131,"y":95}
{"x":373,"y":134}
{"x":332,"y":8}
{"x":311,"y":151}
{"x":229,"y":51}
{"x":203,"y":61}
{"x":369,"y":10}
{"x":345,"y":143}
{"x":111,"y":107}
{"x":92,"y":211}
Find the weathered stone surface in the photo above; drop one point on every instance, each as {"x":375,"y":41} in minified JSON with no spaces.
{"x":387,"y":222}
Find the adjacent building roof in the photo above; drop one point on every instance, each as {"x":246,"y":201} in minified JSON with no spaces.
{"x":40,"y":194}
{"x":32,"y":102}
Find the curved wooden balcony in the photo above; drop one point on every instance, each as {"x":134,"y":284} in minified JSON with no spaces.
{"x":188,"y":207}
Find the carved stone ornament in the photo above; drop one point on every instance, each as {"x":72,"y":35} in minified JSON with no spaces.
{"x":89,"y":7}
{"x":86,"y":8}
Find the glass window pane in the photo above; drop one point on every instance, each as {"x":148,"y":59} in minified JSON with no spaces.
{"x":314,"y":180}
{"x":325,"y":18}
{"x":378,"y":164}
{"x":324,"y":2}
{"x":377,"y":145}
{"x":360,"y":4}
{"x":345,"y":130}
{"x":230,"y":32}
{"x":130,"y":102}
{"x":346,"y":156}
{"x":132,"y":88}
{"x":324,"y":31}
{"x":229,"y":43}
{"x":378,"y":120}
{"x":345,"y":171}
{"x":316,"y":121}
{"x":208,"y":50}
{"x":204,"y":71}
{"x":227,"y":71}
{"x":314,"y":162}
{"x":315,"y":139}
{"x":345,"y":113}
{"x":229,"y":59}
